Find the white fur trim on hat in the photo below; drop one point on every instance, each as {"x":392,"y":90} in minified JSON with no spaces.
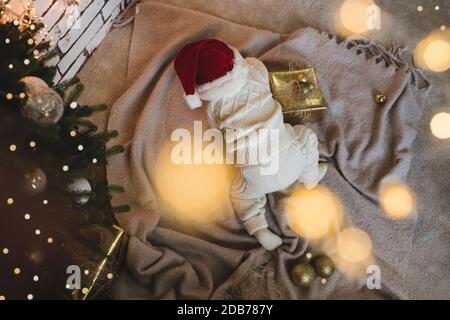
{"x":231,"y":82}
{"x":193,"y":100}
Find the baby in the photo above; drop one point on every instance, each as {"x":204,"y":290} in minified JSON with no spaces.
{"x":237,"y":95}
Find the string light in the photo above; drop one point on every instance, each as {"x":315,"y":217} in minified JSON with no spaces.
{"x":17,"y":271}
{"x":420,"y":8}
{"x":7,"y":41}
{"x":10,"y":201}
{"x":26,"y":62}
{"x":9,"y":96}
{"x":110,"y":276}
{"x":22,"y":95}
{"x":73,"y":105}
{"x":37,"y":232}
{"x":12,"y":148}
{"x":80,"y":147}
{"x":30,"y":297}
{"x":32,"y":144}
{"x":27,"y":216}
{"x":65,"y":168}
{"x":10,"y":66}
{"x":442,"y":28}
{"x":5,"y":251}
{"x":94,"y":161}
{"x":35,"y":278}
{"x":45,"y":202}
{"x":85,"y":290}
{"x":50,"y":240}
{"x":436,"y":8}
{"x":86,"y":272}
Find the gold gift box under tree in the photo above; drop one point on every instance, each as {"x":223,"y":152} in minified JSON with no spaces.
{"x":103,"y":261}
{"x":299,"y":94}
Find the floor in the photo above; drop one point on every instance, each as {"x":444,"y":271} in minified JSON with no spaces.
{"x":105,"y":71}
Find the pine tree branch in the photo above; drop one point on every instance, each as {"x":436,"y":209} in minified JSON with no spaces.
{"x":64,"y":85}
{"x":88,"y":111}
{"x":114,"y":150}
{"x":121,"y":209}
{"x":75,"y":94}
{"x":116,"y":188}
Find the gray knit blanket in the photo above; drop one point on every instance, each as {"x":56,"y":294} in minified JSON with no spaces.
{"x":363,"y":141}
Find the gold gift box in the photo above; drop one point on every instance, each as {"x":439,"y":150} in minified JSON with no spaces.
{"x":103,"y":264}
{"x":298,"y":106}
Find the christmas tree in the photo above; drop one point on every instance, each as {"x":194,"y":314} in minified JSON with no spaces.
{"x":53,"y":184}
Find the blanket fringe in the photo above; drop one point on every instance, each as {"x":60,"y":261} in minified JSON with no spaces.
{"x":396,"y":57}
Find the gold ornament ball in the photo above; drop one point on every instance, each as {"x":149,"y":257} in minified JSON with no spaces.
{"x":303,"y":274}
{"x":380,"y":98}
{"x":324,"y":266}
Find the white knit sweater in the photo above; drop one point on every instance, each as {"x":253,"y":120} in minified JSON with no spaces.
{"x":242,"y":100}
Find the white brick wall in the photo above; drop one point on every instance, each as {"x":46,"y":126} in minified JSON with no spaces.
{"x":78,"y":35}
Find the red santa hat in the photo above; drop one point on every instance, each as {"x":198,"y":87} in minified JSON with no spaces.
{"x":202,"y":63}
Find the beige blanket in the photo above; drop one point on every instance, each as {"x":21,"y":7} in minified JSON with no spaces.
{"x":169,"y":259}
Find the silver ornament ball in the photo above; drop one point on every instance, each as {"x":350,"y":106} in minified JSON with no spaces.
{"x":80,"y":188}
{"x":44,"y":106}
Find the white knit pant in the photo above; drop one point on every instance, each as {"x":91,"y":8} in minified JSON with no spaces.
{"x":298,"y":162}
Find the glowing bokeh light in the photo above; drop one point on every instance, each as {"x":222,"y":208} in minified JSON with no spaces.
{"x":353,"y":16}
{"x":353,"y":245}
{"x":191,"y":192}
{"x":345,"y":262}
{"x":437,"y":55}
{"x":433,"y":52}
{"x":397,"y":200}
{"x":440,"y":125}
{"x":314,"y":213}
